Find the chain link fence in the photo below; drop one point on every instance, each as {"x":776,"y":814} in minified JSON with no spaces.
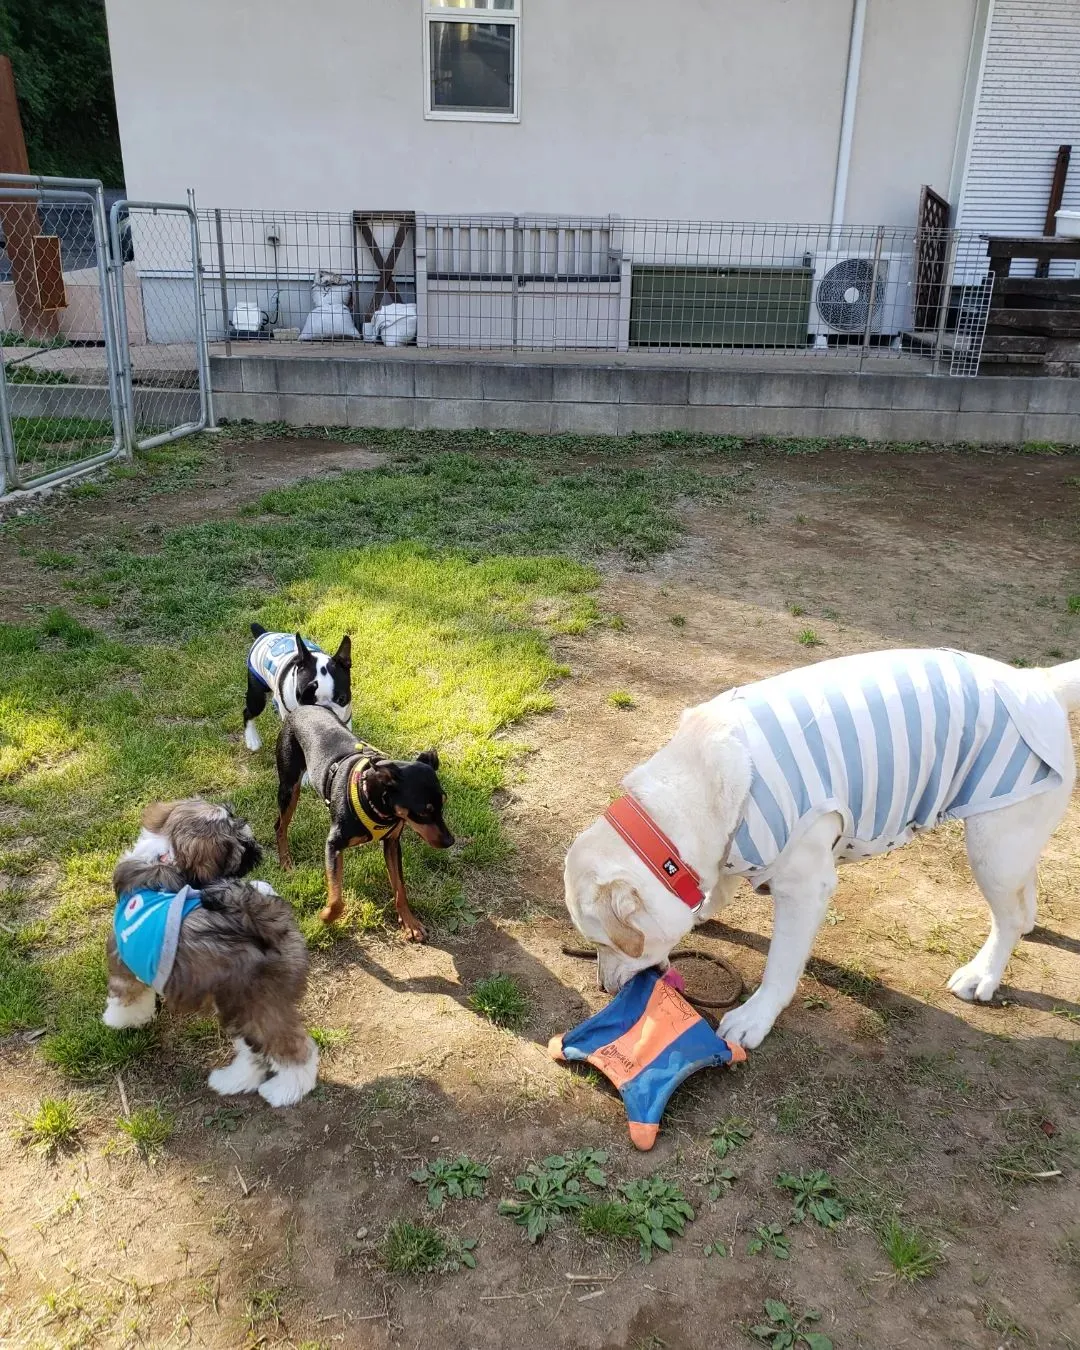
{"x":164,"y":373}
{"x":101,"y":326}
{"x":59,"y":386}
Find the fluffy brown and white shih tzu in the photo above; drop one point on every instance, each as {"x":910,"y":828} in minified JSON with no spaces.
{"x":188,"y":928}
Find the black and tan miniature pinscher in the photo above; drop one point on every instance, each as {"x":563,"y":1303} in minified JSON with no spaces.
{"x":368,"y":796}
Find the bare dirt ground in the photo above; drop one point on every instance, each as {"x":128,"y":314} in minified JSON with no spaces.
{"x":259,"y":1227}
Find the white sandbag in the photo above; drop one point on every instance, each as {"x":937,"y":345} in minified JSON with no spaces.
{"x":395,"y":325}
{"x":330,"y":288}
{"x":328,"y":320}
{"x":329,"y":317}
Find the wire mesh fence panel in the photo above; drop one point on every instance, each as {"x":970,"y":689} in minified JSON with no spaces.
{"x":973,"y":311}
{"x":164,"y":369}
{"x":311,"y":277}
{"x":861,"y":295}
{"x":60,"y":393}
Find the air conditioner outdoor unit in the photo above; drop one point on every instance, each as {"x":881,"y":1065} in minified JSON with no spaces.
{"x":845,"y":286}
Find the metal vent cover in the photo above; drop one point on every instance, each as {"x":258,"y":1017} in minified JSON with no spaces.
{"x":843,"y":294}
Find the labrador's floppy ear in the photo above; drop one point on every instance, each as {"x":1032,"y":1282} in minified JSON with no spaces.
{"x":617,"y":902}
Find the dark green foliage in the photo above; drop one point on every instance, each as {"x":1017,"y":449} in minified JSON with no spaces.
{"x":59,"y":51}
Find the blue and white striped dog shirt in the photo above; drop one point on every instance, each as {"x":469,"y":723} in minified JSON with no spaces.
{"x":894,"y":742}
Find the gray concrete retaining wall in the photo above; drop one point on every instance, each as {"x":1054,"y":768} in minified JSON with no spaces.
{"x":520,"y":394}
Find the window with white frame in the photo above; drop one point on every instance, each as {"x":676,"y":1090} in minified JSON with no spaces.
{"x":472,"y":51}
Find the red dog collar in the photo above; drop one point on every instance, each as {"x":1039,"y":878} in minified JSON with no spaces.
{"x":633,"y":824}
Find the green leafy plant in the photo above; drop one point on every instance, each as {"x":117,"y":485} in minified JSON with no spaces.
{"x":730,"y":1134}
{"x":679,"y":620}
{"x":784,"y":1330}
{"x":452,"y":1179}
{"x":771,"y":1238}
{"x":551,"y":1189}
{"x":814,"y":1194}
{"x":501,"y":1000}
{"x":714,"y":1249}
{"x":420,"y":1249}
{"x":658,"y":1209}
{"x":719,"y":1181}
{"x":227,"y":1119}
{"x":619,"y":698}
{"x":148,"y":1130}
{"x":809,"y":638}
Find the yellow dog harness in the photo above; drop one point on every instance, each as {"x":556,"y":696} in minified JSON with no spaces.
{"x":377,"y":829}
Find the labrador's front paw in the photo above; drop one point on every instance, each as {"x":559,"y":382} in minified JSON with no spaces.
{"x":749,"y":1024}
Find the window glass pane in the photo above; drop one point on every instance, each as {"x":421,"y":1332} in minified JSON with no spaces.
{"x":472,"y":4}
{"x":472,"y":67}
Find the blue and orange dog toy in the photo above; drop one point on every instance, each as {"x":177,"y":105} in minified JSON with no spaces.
{"x":647,"y":1041}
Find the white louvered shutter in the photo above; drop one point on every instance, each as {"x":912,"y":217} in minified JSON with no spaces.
{"x":1029,"y":104}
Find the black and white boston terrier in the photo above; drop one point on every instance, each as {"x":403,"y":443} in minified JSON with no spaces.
{"x":293,"y":672}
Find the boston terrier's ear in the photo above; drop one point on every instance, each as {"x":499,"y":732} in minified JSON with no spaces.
{"x":429,"y":757}
{"x":343,"y":655}
{"x":302,"y":651}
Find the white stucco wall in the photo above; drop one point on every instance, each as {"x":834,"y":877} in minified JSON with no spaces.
{"x":694,"y":109}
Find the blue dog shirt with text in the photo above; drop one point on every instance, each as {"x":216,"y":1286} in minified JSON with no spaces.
{"x":147,"y":927}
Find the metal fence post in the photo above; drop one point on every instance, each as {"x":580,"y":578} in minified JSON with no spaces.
{"x":943,"y":313}
{"x":127,"y":399}
{"x":9,"y":468}
{"x":515,"y":284}
{"x":879,"y":239}
{"x":202,"y":344}
{"x":221,"y":278}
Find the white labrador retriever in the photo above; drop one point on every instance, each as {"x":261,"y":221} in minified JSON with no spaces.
{"x":779,"y":780}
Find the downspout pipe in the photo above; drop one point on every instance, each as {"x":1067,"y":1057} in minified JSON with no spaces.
{"x":847,"y":117}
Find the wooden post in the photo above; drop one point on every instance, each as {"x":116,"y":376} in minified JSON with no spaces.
{"x":20,"y":219}
{"x":1057,"y":193}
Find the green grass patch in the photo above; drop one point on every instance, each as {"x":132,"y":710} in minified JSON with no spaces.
{"x":501,"y":1000}
{"x":23,"y":988}
{"x":619,"y":698}
{"x":54,"y":1127}
{"x":608,"y":1219}
{"x":912,"y":1254}
{"x":148,"y":1129}
{"x":452,"y":570}
{"x":29,"y":375}
{"x":420,"y":1249}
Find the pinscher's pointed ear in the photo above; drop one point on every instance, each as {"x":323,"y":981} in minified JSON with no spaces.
{"x":384,"y":773}
{"x":430,"y":758}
